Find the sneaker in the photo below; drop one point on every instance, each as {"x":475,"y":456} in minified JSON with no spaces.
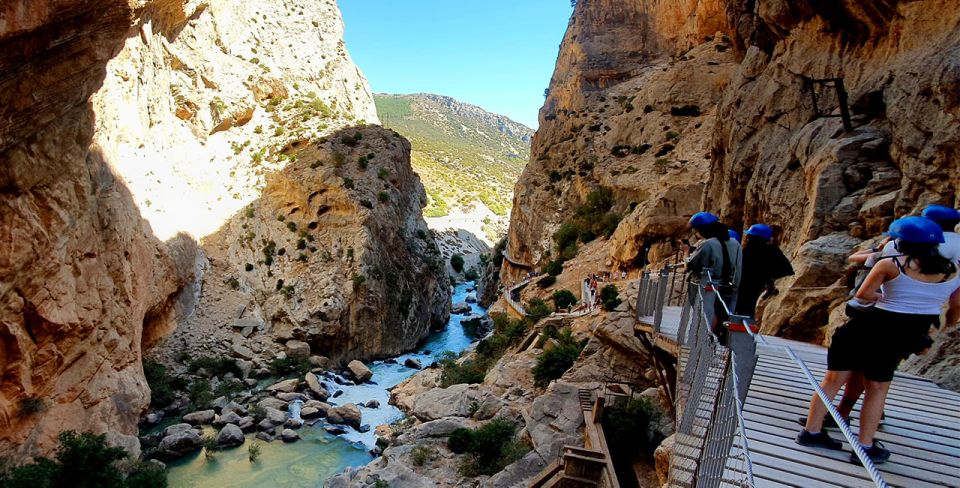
{"x":876,"y":453}
{"x":828,"y":422}
{"x":820,"y":439}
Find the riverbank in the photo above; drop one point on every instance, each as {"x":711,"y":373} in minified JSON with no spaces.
{"x":320,"y":454}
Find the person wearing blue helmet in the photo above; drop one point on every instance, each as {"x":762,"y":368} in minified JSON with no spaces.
{"x":947,"y":218}
{"x":719,"y":254}
{"x":763,"y":263}
{"x":909,"y":291}
{"x":734,"y":235}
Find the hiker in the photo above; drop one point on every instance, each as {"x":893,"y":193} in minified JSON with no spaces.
{"x":909,"y":292}
{"x":720,"y":255}
{"x":763,"y":263}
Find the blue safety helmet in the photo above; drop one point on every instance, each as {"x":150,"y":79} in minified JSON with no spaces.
{"x":916,"y":229}
{"x":701,"y":219}
{"x":734,"y":235}
{"x":763,"y":231}
{"x":939,"y":213}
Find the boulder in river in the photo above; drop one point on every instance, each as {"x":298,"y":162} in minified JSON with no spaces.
{"x":179,"y":444}
{"x":285,"y":386}
{"x":289,"y":397}
{"x":359,"y":371}
{"x":461,"y":308}
{"x":334,"y":430}
{"x":271,"y":402}
{"x":347,"y":414}
{"x":264,"y":436}
{"x":200,"y":417}
{"x":176,"y":428}
{"x":315,"y":388}
{"x":413,"y":363}
{"x":230,"y":417}
{"x":319,"y":362}
{"x":289,"y":435}
{"x":230,"y":435}
{"x":309,"y":412}
{"x":372,"y":404}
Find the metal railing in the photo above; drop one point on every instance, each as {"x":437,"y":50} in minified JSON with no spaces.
{"x":711,"y":444}
{"x":657,"y":290}
{"x":713,"y":379}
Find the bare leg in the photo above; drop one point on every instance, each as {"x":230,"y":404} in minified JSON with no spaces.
{"x":873,"y":400}
{"x":851,"y":393}
{"x":831,"y":384}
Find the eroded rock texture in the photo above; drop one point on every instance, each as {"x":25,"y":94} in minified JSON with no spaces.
{"x":709,"y":105}
{"x":334,"y":253}
{"x":84,"y":284}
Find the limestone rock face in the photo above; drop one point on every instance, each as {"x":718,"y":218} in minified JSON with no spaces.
{"x":675,"y":114}
{"x":200,"y":88}
{"x":85,"y":286}
{"x":625,"y":111}
{"x":334,"y":255}
{"x":773,"y":161}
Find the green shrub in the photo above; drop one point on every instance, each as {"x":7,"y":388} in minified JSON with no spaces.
{"x":253,"y":452}
{"x":468,"y":372}
{"x":566,"y":235}
{"x":200,"y":393}
{"x":563,"y":299}
{"x":358,"y":281}
{"x":28,"y":406}
{"x":421,"y":454}
{"x":610,"y":297}
{"x":163,"y":386}
{"x":456,"y":262}
{"x":555,"y":176}
{"x":290,"y":366}
{"x":86,"y":461}
{"x":537,"y":309}
{"x":383,"y":173}
{"x":491,"y":447}
{"x":383,"y":197}
{"x":460,"y":440}
{"x":627,"y":428}
{"x":553,"y":363}
{"x":547,"y":281}
{"x":292,"y":226}
{"x":554,"y":268}
{"x":216,"y":366}
{"x":248,"y":267}
{"x":348,"y":183}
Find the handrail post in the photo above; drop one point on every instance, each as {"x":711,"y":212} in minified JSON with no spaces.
{"x":641,"y":291}
{"x":660,"y":302}
{"x":744,"y":347}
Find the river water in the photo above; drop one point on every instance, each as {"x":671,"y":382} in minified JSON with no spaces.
{"x":319,"y":455}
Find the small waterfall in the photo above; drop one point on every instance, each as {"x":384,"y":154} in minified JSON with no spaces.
{"x":294,"y":409}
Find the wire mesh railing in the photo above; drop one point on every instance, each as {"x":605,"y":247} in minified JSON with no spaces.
{"x":711,"y":445}
{"x":664,"y":288}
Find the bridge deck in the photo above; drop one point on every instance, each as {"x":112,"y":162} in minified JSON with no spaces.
{"x":922,"y":427}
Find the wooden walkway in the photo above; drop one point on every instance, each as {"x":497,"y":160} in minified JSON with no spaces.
{"x":922,"y":427}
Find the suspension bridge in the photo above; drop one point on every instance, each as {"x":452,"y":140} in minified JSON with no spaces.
{"x":738,"y":404}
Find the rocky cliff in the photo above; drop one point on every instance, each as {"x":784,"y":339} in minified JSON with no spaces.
{"x":731,"y":106}
{"x":214,"y":115}
{"x":84,"y":284}
{"x":203,"y":95}
{"x":335,"y":253}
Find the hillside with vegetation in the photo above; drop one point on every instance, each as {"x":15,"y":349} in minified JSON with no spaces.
{"x":463,"y":153}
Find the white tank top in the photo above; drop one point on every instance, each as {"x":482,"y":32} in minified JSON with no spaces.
{"x":904,"y":294}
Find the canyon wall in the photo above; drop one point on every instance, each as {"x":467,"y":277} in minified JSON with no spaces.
{"x":84,"y":284}
{"x":335,"y":253}
{"x":710,"y":105}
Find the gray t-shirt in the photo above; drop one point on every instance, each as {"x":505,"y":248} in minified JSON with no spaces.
{"x":709,"y":255}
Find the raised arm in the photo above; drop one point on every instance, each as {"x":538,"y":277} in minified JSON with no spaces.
{"x":885,"y":270}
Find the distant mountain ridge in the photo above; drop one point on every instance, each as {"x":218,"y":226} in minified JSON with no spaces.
{"x":464,"y":154}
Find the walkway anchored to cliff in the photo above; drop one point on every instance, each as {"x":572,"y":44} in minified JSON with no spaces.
{"x":737,"y":404}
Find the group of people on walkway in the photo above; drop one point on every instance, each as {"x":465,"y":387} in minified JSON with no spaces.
{"x":743,"y":273}
{"x":907,"y":280}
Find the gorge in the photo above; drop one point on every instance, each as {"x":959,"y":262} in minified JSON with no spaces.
{"x":184,"y":188}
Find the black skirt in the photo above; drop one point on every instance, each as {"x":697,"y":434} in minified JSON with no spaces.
{"x":875,"y":342}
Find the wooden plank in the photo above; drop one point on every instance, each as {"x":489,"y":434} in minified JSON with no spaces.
{"x":900,"y":383}
{"x":897,"y":407}
{"x":917,"y":432}
{"x":901,"y":455}
{"x":822,"y":460}
{"x":779,"y":411}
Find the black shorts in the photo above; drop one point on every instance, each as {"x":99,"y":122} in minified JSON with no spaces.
{"x":874,"y":343}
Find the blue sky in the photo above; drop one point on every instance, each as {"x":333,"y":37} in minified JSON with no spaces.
{"x":498,"y":54}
